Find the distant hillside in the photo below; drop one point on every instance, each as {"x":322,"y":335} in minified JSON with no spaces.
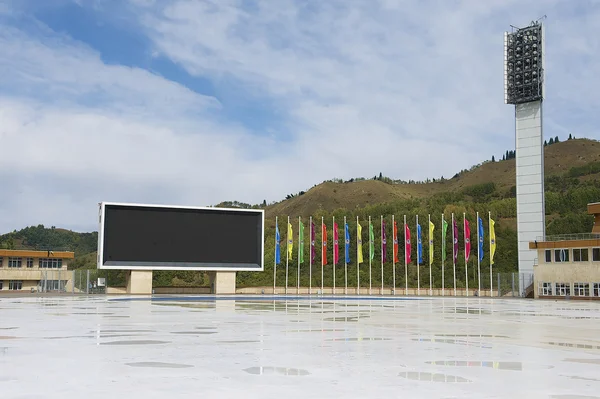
{"x":572,"y":181}
{"x":328,"y":196}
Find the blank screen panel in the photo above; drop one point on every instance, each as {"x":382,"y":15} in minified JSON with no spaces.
{"x":181,"y":238}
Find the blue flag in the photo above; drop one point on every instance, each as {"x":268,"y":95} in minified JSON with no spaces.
{"x":481,"y":235}
{"x":277,"y":247}
{"x":347,"y":244}
{"x":419,"y":244}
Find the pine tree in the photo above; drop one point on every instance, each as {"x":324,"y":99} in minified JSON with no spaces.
{"x":545,"y":143}
{"x":556,"y":139}
{"x":570,"y":137}
{"x":551,"y":141}
{"x":493,"y":159}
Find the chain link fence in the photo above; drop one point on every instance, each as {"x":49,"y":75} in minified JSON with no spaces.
{"x":78,"y":281}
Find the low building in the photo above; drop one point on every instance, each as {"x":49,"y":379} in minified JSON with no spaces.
{"x":37,"y":270}
{"x":569,"y":265}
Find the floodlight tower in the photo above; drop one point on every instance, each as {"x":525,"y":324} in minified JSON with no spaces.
{"x":524,"y":88}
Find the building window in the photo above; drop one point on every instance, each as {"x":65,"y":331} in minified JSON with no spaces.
{"x":581,"y":289}
{"x":15,"y":284}
{"x":580,"y":255}
{"x":596,"y":291}
{"x":545,"y":288}
{"x":562,"y":289}
{"x":14,"y":262}
{"x":1,"y":260}
{"x":1,"y":284}
{"x":30,"y":262}
{"x":548,"y":256}
{"x":561,"y":255}
{"x":51,"y":263}
{"x":596,"y":254}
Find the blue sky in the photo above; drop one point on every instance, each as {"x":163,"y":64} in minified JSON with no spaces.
{"x":196,"y":102}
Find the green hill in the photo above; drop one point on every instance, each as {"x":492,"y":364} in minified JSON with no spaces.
{"x":572,"y":181}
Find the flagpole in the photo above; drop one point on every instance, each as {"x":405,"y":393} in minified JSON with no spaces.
{"x":322,"y":254}
{"x":405,"y":261}
{"x":478,"y":259}
{"x":453,"y":257}
{"x":418,"y":262}
{"x":357,"y":263}
{"x":381,"y":292}
{"x":370,"y":260}
{"x":299,"y":249}
{"x":431,"y":243}
{"x":489,"y":233}
{"x":310,"y":253}
{"x":287,"y":255}
{"x":466,"y":263}
{"x":345,"y":259}
{"x":394,"y":239}
{"x":333,"y":231}
{"x":275,"y":259}
{"x":443,"y":253}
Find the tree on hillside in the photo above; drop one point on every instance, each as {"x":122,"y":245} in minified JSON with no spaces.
{"x":545,"y":143}
{"x":551,"y":141}
{"x":570,"y":137}
{"x":493,"y":159}
{"x":556,"y":139}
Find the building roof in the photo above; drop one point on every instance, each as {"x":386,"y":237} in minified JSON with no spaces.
{"x":29,"y":253}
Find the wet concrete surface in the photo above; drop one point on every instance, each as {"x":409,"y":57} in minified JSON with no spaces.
{"x":96,"y":347}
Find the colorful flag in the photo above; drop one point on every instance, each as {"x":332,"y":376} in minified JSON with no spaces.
{"x":444,"y":231}
{"x":467,"y":240}
{"x":407,"y":244}
{"x":419,"y":245}
{"x":301,"y":242}
{"x":481,"y":234}
{"x":359,"y":243}
{"x":455,"y":249}
{"x":336,"y":248}
{"x":371,"y":242}
{"x":492,"y":240}
{"x":313,"y":252}
{"x":383,"y":243}
{"x":277,"y":245}
{"x":396,"y":241}
{"x":290,"y":244}
{"x":324,"y":242}
{"x":347,"y":233}
{"x":431,"y":228}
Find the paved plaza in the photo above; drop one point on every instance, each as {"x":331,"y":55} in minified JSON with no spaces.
{"x":265,"y":347}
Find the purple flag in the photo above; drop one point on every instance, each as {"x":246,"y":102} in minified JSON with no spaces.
{"x":383,"y":242}
{"x":455,"y":242}
{"x":313,"y":253}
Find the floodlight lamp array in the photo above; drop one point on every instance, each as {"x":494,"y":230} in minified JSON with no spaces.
{"x":523,"y":65}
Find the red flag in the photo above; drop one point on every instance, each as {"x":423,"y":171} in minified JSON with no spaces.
{"x":467,"y":240}
{"x":396,"y":241}
{"x":324,"y":246}
{"x":336,"y":249}
{"x":407,"y":246}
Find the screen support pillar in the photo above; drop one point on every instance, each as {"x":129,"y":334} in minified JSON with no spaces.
{"x":222,"y":282}
{"x":139,"y":282}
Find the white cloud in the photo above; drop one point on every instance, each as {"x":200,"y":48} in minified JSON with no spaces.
{"x":413,"y":90}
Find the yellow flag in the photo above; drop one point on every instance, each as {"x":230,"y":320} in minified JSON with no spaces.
{"x":492,"y":241}
{"x":431,"y":228}
{"x":359,"y":242}
{"x":290,"y":244}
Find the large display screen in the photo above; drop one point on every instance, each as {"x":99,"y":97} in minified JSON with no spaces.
{"x":156,"y":237}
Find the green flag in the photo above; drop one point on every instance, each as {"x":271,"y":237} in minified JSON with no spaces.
{"x":444,"y":229}
{"x":301,"y":242}
{"x":371,"y":242}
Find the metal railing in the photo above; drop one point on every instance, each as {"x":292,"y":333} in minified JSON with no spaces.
{"x":570,"y":237}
